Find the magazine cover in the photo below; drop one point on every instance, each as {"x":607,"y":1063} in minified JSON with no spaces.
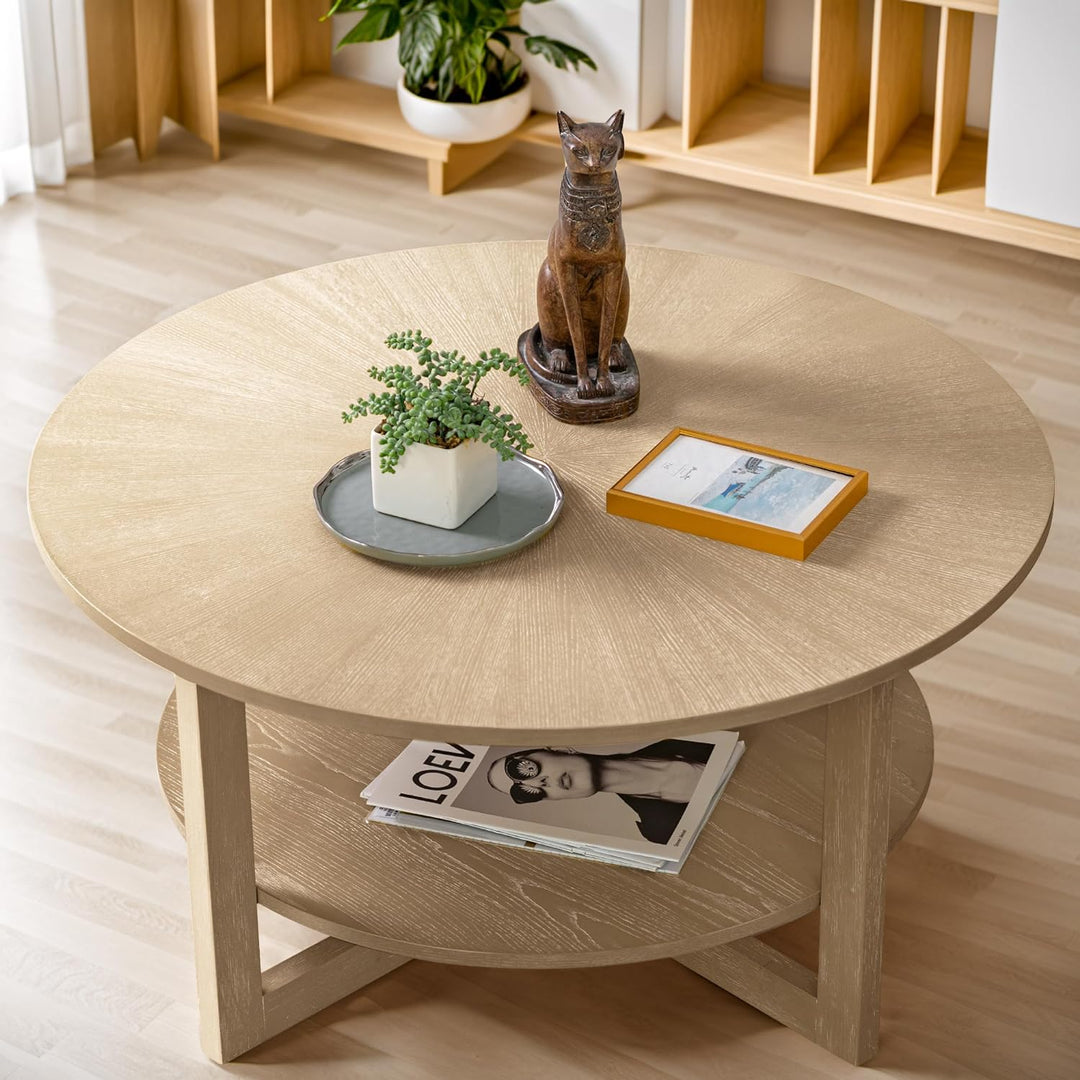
{"x":594,"y":852}
{"x":643,"y":798}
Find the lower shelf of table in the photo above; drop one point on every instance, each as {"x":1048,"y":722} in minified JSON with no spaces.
{"x":756,"y":864}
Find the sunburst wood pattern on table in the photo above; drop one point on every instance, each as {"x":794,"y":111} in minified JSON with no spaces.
{"x":186,"y":459}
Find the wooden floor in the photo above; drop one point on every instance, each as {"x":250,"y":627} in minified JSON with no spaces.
{"x":982,"y":959}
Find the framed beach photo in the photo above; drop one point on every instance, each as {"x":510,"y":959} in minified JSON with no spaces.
{"x":769,"y":500}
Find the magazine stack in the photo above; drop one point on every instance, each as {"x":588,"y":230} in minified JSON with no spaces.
{"x":633,"y":805}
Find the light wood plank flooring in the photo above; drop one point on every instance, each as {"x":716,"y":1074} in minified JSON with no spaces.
{"x":982,"y":964}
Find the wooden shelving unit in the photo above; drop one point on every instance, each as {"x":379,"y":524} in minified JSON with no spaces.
{"x":856,"y":139}
{"x":267,"y":60}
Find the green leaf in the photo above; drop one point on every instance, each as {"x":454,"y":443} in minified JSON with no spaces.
{"x":558,"y":52}
{"x":470,"y":76}
{"x":378,"y":23}
{"x":335,"y":7}
{"x":417,"y":409}
{"x":444,"y":86}
{"x":419,"y":47}
{"x":511,"y":74}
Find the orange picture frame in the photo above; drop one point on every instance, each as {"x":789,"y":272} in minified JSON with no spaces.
{"x":720,"y":526}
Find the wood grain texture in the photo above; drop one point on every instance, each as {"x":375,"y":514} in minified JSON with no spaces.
{"x":981,"y":955}
{"x":855,"y":839}
{"x":951,"y":88}
{"x":895,"y":78}
{"x":298,"y":43}
{"x":334,"y":106}
{"x":239,"y":37}
{"x":756,"y":865}
{"x":838,"y":1006}
{"x":318,"y":977}
{"x":725,"y":44}
{"x":239,"y":1005}
{"x":156,"y":84}
{"x":256,"y":600}
{"x":110,"y":53}
{"x":196,"y":65}
{"x":837,"y":92}
{"x":214,"y":767}
{"x":460,"y":161}
{"x":763,"y":977}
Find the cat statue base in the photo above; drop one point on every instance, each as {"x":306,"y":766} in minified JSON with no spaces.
{"x":583,"y":371}
{"x":557,"y":391}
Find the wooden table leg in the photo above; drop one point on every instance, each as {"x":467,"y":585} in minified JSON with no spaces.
{"x":240,"y":1005}
{"x":839,"y":1006}
{"x":855,"y":840}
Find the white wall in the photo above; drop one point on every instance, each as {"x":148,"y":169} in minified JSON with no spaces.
{"x":370,"y":61}
{"x":789,"y":32}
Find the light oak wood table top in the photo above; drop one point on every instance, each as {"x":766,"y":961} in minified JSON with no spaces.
{"x":171,"y":496}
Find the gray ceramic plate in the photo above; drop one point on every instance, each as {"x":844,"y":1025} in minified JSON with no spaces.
{"x":525,"y":506}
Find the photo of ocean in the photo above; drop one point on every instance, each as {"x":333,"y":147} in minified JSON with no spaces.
{"x":748,"y":485}
{"x":768,"y":492}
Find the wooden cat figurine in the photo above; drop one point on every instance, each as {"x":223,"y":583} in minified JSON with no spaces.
{"x":583,"y":369}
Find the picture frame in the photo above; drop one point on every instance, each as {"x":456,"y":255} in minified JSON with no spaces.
{"x":738,"y":492}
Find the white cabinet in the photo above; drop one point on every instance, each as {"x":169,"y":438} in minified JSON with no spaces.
{"x":1033,"y":155}
{"x":628,"y":39}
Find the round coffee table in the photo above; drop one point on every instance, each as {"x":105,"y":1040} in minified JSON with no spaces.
{"x":170,"y":494}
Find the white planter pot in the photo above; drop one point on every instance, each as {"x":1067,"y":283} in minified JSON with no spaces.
{"x":435,"y":486}
{"x":464,"y":123}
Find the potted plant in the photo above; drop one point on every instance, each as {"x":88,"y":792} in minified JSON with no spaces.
{"x":438,"y":445}
{"x":462,"y":80}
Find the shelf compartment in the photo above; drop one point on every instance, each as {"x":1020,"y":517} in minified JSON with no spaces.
{"x":334,"y":106}
{"x":951,"y":89}
{"x":904,"y":173}
{"x":763,"y":127}
{"x":963,"y":178}
{"x":841,"y":178}
{"x":903,"y":143}
{"x":839,"y":76}
{"x":725,"y":47}
{"x":297,"y":43}
{"x":895,"y":78}
{"x":757,"y":863}
{"x":239,"y":37}
{"x":360,"y":113}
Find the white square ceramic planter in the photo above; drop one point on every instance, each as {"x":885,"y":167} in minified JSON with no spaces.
{"x":433,"y":485}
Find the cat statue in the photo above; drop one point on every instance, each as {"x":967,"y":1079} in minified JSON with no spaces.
{"x":583,"y":369}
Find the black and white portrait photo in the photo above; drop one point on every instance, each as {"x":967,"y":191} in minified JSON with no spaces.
{"x":641,"y":793}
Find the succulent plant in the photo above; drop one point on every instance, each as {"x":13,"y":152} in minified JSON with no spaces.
{"x":436,"y":403}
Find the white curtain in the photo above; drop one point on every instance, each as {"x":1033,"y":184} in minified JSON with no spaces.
{"x":44,"y":95}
